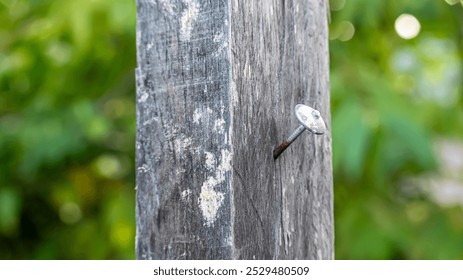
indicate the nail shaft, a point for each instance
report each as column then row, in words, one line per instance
column 282, row 147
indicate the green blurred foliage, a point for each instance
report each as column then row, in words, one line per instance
column 391, row 98
column 67, row 129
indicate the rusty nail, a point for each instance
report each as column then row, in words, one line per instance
column 310, row 119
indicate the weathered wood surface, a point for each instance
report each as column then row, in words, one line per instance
column 217, row 83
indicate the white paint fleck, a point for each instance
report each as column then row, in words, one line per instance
column 217, row 38
column 179, row 171
column 210, row 160
column 221, row 48
column 143, row 169
column 198, row 114
column 168, row 7
column 247, row 70
column 144, row 96
column 149, row 46
column 187, row 19
column 210, row 199
column 150, row 121
column 234, row 97
column 225, row 164
column 185, row 194
column 223, row 44
column 182, row 142
column 219, row 126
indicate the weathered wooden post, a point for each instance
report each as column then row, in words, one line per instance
column 217, row 83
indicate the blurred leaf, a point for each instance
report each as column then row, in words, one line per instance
column 10, row 209
column 350, row 139
column 411, row 140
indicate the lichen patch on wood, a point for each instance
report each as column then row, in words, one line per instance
column 210, row 199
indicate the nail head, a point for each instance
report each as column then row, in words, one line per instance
column 310, row 119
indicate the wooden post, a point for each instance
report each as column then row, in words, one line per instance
column 217, row 83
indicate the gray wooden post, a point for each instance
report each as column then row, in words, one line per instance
column 217, row 83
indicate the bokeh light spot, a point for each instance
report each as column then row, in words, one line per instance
column 116, row 108
column 109, row 166
column 121, row 235
column 70, row 213
column 452, row 2
column 407, row 26
column 337, row 5
column 417, row 212
column 347, row 31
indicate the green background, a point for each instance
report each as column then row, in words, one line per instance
column 67, row 128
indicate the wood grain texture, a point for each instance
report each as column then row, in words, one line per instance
column 217, row 83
